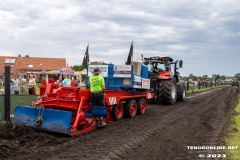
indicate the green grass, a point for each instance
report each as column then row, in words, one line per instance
column 233, row 138
column 204, row 89
column 37, row 90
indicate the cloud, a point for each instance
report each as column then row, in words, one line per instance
column 205, row 34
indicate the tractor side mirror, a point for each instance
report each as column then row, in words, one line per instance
column 180, row 63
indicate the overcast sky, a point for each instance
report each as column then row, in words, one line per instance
column 204, row 34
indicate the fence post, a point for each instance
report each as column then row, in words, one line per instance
column 7, row 94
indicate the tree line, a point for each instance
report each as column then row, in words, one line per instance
column 215, row 77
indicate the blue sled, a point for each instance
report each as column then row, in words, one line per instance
column 53, row 120
column 97, row 111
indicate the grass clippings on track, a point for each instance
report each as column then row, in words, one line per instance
column 233, row 138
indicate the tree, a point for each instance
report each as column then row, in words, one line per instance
column 237, row 75
column 195, row 78
column 78, row 68
column 223, row 77
column 184, row 78
column 217, row 77
column 190, row 76
column 204, row 77
column 214, row 76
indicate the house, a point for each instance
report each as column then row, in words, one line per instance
column 23, row 66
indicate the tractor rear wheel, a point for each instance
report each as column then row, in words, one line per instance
column 141, row 106
column 130, row 109
column 168, row 91
column 118, row 111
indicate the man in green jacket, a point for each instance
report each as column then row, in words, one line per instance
column 97, row 88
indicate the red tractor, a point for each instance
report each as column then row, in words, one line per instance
column 165, row 82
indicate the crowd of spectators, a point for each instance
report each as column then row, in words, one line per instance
column 28, row 87
column 22, row 87
column 203, row 84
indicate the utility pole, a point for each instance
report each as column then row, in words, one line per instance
column 7, row 94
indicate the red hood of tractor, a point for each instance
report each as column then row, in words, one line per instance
column 165, row 75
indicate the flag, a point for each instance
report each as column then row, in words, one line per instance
column 86, row 58
column 130, row 55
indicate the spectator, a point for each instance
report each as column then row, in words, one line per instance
column 155, row 68
column 11, row 87
column 77, row 82
column 59, row 81
column 51, row 80
column 195, row 85
column 199, row 84
column 1, row 83
column 31, row 85
column 206, row 83
column 66, row 82
column 23, row 89
column 1, row 91
column 15, row 86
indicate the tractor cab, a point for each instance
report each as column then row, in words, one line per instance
column 163, row 67
column 158, row 66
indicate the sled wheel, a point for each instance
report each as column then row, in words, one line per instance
column 131, row 108
column 141, row 106
column 118, row 112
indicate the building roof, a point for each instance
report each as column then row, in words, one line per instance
column 31, row 63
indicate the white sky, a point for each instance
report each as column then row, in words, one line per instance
column 204, row 34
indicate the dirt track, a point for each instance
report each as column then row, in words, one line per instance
column 163, row 132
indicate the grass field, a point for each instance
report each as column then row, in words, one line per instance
column 233, row 138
